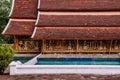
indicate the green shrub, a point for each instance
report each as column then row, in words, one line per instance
column 6, row 56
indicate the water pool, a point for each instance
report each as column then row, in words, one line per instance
column 22, row 59
column 78, row 61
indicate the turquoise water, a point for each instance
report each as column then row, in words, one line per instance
column 22, row 59
column 71, row 61
column 78, row 61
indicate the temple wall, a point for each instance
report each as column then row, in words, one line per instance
column 81, row 46
column 23, row 44
column 26, row 45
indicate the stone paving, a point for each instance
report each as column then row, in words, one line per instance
column 71, row 55
column 26, row 55
column 80, row 55
column 61, row 77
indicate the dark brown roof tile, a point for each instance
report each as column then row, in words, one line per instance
column 83, row 19
column 24, row 9
column 88, row 33
column 79, row 5
column 15, row 27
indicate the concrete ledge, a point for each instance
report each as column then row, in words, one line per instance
column 18, row 69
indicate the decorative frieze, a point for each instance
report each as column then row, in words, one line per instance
column 81, row 46
column 52, row 46
column 60, row 45
column 27, row 45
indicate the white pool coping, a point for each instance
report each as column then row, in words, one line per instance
column 21, row 69
column 17, row 68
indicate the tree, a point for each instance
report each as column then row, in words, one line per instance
column 6, row 56
column 5, row 6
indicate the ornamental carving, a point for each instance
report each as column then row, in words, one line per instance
column 60, row 45
column 68, row 46
column 82, row 46
column 28, row 45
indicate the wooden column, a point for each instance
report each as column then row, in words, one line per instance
column 110, row 47
column 77, row 45
column 16, row 44
column 43, row 46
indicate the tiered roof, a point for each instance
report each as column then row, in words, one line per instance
column 22, row 18
column 79, row 5
column 88, row 33
column 78, row 19
column 65, row 19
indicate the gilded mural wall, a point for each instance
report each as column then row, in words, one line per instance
column 28, row 45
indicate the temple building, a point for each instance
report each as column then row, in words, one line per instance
column 67, row 26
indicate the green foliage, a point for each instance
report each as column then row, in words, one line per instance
column 5, row 6
column 6, row 56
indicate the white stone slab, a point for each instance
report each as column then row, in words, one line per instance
column 17, row 69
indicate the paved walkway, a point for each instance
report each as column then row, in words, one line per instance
column 80, row 55
column 61, row 77
column 71, row 55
